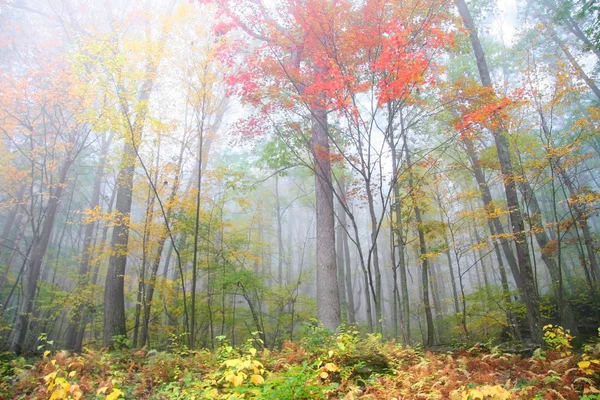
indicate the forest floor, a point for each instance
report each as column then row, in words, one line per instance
column 346, row 366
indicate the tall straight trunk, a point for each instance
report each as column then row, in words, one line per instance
column 339, row 252
column 405, row 305
column 278, row 218
column 144, row 261
column 436, row 291
column 374, row 257
column 141, row 292
column 396, row 316
column 449, row 258
column 90, row 227
column 328, row 299
column 347, row 260
column 200, row 119
column 37, row 257
column 452, row 277
column 114, row 287
column 422, row 253
column 480, row 257
column 525, row 273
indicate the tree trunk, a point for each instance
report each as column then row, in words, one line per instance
column 339, row 251
column 347, row 260
column 405, row 304
column 114, row 295
column 328, row 300
column 374, row 257
column 422, row 253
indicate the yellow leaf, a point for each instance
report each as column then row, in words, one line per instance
column 331, row 367
column 59, row 394
column 116, row 393
column 330, row 353
column 101, row 390
column 475, row 394
column 237, row 380
column 257, row 379
column 583, row 364
column 252, row 351
column 324, row 375
column 72, row 374
column 50, row 376
column 232, row 363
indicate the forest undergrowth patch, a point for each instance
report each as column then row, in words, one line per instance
column 348, row 365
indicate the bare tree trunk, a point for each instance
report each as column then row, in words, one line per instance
column 422, row 253
column 347, row 260
column 140, row 299
column 278, row 217
column 339, row 239
column 374, row 257
column 328, row 299
column 405, row 304
column 449, row 260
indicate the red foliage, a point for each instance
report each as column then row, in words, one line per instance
column 325, row 53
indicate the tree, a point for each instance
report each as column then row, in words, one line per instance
column 30, row 123
column 525, row 274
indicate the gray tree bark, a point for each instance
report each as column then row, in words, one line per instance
column 328, row 300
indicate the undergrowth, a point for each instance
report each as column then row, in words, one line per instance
column 348, row 365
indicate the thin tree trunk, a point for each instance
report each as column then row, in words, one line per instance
column 339, row 239
column 347, row 260
column 400, row 242
column 278, row 217
column 422, row 253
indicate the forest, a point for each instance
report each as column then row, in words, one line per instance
column 300, row 199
